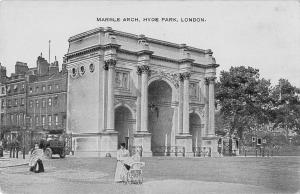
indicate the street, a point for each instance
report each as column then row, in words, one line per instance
column 161, row 175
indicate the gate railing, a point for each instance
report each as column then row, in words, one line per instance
column 168, row 151
column 202, row 151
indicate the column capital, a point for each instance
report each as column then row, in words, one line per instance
column 109, row 64
column 184, row 76
column 210, row 80
column 143, row 69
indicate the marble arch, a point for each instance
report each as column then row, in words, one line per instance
column 124, row 66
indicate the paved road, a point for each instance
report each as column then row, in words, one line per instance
column 161, row 175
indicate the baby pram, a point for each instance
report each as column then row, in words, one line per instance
column 135, row 173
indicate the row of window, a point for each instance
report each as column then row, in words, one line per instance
column 13, row 88
column 15, row 119
column 21, row 102
column 45, row 120
column 16, row 88
column 13, row 102
column 43, row 88
column 44, row 102
column 18, row 119
column 82, row 70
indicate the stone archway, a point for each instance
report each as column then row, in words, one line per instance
column 195, row 129
column 123, row 125
column 160, row 116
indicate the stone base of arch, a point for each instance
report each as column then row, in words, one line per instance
column 210, row 145
column 143, row 139
column 95, row 144
column 185, row 140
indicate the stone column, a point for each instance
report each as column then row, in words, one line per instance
column 186, row 99
column 211, row 105
column 138, row 107
column 145, row 70
column 180, row 105
column 111, row 64
column 206, row 108
column 104, row 96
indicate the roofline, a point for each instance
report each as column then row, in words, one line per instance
column 130, row 35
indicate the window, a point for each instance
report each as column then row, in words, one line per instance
column 49, row 120
column 56, row 119
column 2, row 118
column 55, row 100
column 21, row 118
column 57, row 86
column 30, row 90
column 22, row 101
column 37, row 121
column 44, row 103
column 82, row 70
column 92, row 68
column 258, row 141
column 15, row 88
column 37, row 89
column 17, row 119
column 3, row 90
column 49, row 87
column 16, row 102
column 43, row 120
column 49, row 102
column 30, row 121
column 30, row 103
column 36, row 103
column 8, row 103
column 74, row 72
column 10, row 118
column 23, row 86
column 2, row 103
column 43, row 88
column 8, row 89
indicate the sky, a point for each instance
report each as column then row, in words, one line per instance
column 261, row 34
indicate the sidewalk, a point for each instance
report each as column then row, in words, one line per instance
column 6, row 161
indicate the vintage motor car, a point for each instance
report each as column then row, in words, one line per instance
column 55, row 144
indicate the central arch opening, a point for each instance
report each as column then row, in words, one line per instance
column 160, row 116
column 195, row 130
column 123, row 125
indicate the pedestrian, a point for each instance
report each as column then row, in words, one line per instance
column 122, row 168
column 1, row 149
column 35, row 161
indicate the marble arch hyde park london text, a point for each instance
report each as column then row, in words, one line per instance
column 139, row 90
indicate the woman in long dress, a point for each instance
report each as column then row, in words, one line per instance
column 35, row 161
column 121, row 170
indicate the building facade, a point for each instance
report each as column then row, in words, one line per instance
column 46, row 98
column 33, row 101
column 13, row 106
column 145, row 92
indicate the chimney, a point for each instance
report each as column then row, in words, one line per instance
column 21, row 68
column 42, row 65
column 53, row 69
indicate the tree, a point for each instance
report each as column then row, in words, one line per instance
column 286, row 111
column 244, row 98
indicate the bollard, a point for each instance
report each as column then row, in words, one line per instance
column 10, row 152
column 245, row 153
column 256, row 152
column 263, row 152
column 13, row 152
column 17, row 152
column 24, row 152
